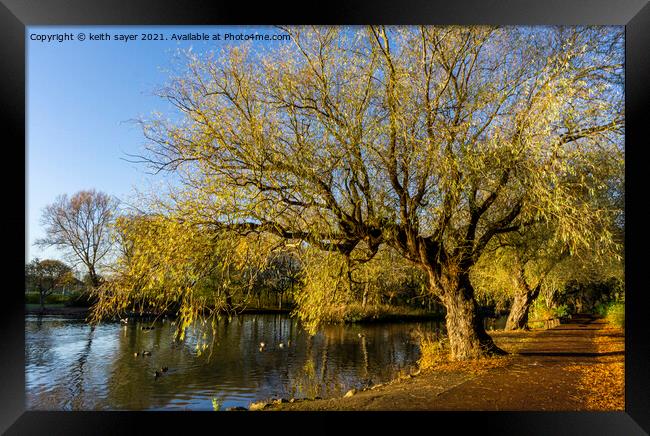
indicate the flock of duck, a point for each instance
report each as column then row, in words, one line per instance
column 144, row 353
column 288, row 344
column 280, row 345
column 157, row 373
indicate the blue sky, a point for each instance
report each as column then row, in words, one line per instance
column 80, row 98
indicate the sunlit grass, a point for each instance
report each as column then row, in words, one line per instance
column 614, row 313
column 356, row 312
column 434, row 349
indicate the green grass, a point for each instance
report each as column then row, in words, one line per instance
column 33, row 298
column 615, row 314
column 70, row 300
column 355, row 312
column 30, row 306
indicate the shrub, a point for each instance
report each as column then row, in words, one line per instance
column 540, row 310
column 560, row 311
column 615, row 314
column 31, row 298
column 434, row 349
column 83, row 299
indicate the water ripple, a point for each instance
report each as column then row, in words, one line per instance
column 71, row 366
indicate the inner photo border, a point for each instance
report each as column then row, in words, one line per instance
column 17, row 15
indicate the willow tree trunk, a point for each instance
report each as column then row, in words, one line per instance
column 524, row 298
column 467, row 336
column 518, row 316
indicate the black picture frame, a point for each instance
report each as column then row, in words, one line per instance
column 15, row 15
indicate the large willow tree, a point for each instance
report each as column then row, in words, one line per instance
column 432, row 140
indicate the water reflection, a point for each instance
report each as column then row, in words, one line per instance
column 73, row 366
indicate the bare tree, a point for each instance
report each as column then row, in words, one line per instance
column 80, row 226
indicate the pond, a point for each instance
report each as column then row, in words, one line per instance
column 71, row 366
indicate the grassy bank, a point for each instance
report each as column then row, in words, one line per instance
column 33, row 298
column 354, row 313
column 613, row 312
column 264, row 310
column 69, row 300
column 58, row 310
column 357, row 313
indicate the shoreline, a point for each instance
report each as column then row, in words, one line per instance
column 577, row 366
column 73, row 312
column 77, row 312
